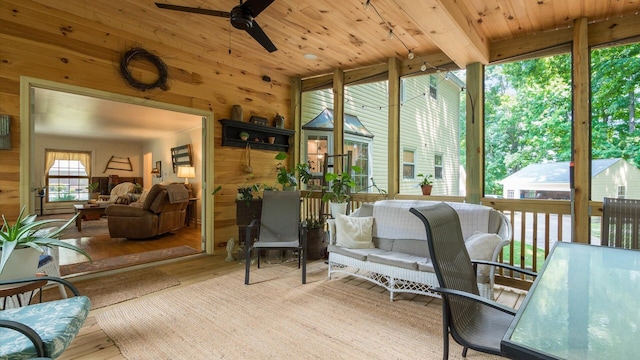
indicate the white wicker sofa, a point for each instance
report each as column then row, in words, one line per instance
column 398, row 258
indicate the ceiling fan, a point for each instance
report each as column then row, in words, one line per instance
column 242, row 17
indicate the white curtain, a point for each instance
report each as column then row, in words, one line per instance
column 52, row 155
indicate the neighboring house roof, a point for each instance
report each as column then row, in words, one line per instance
column 324, row 122
column 557, row 172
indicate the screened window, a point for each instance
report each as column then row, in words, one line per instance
column 437, row 169
column 67, row 175
column 359, row 157
column 622, row 190
column 408, row 164
column 433, row 87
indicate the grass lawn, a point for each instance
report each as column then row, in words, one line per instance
column 528, row 250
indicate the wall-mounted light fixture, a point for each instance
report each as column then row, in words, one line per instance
column 157, row 171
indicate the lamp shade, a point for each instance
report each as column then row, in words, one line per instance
column 186, row 172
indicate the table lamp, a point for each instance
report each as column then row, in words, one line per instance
column 186, row 172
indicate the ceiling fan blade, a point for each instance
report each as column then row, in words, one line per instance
column 255, row 7
column 256, row 32
column 224, row 14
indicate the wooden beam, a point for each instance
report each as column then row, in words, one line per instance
column 614, row 30
column 475, row 133
column 450, row 28
column 296, row 114
column 393, row 160
column 338, row 112
column 581, row 132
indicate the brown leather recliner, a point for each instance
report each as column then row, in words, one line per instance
column 163, row 210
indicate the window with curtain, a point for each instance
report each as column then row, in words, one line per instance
column 67, row 175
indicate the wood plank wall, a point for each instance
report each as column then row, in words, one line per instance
column 71, row 48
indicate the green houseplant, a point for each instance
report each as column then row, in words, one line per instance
column 426, row 184
column 24, row 234
column 289, row 178
column 339, row 190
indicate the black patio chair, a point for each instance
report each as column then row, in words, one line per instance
column 279, row 228
column 473, row 321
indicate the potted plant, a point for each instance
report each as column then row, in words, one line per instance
column 23, row 242
column 426, row 184
column 289, row 179
column 315, row 237
column 341, row 185
column 244, row 135
column 93, row 194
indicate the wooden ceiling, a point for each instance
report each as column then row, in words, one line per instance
column 343, row 34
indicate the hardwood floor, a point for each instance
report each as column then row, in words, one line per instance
column 92, row 343
column 103, row 246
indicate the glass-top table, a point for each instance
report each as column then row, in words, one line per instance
column 584, row 304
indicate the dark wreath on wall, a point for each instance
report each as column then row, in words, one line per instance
column 142, row 54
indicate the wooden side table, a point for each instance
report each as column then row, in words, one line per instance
column 18, row 292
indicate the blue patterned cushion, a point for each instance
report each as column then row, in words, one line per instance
column 57, row 323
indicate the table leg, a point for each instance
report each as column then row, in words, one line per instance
column 79, row 221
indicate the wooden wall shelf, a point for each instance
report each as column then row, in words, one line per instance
column 231, row 130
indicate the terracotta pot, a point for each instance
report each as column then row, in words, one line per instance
column 426, row 189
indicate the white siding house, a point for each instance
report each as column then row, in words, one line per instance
column 429, row 127
column 614, row 178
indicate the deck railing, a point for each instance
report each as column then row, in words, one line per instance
column 536, row 224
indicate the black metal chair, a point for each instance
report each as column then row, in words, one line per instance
column 473, row 321
column 279, row 228
column 621, row 223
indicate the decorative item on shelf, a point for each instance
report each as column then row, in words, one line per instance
column 259, row 120
column 244, row 135
column 426, row 184
column 271, row 139
column 236, row 113
column 279, row 121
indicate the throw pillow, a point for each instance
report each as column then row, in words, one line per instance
column 481, row 246
column 354, row 232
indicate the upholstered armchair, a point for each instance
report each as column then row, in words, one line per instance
column 163, row 210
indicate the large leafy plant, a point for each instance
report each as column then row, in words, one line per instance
column 25, row 233
column 288, row 178
column 341, row 184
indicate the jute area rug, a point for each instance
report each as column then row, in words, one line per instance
column 276, row 317
column 118, row 287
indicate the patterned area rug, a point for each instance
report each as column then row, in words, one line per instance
column 127, row 260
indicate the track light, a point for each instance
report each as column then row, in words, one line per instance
column 411, row 55
column 423, row 67
column 390, row 34
column 367, row 4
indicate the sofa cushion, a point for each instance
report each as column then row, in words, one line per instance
column 399, row 259
column 366, row 209
column 411, row 246
column 354, row 232
column 358, row 254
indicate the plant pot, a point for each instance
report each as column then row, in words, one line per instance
column 338, row 208
column 315, row 244
column 22, row 263
column 426, row 189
